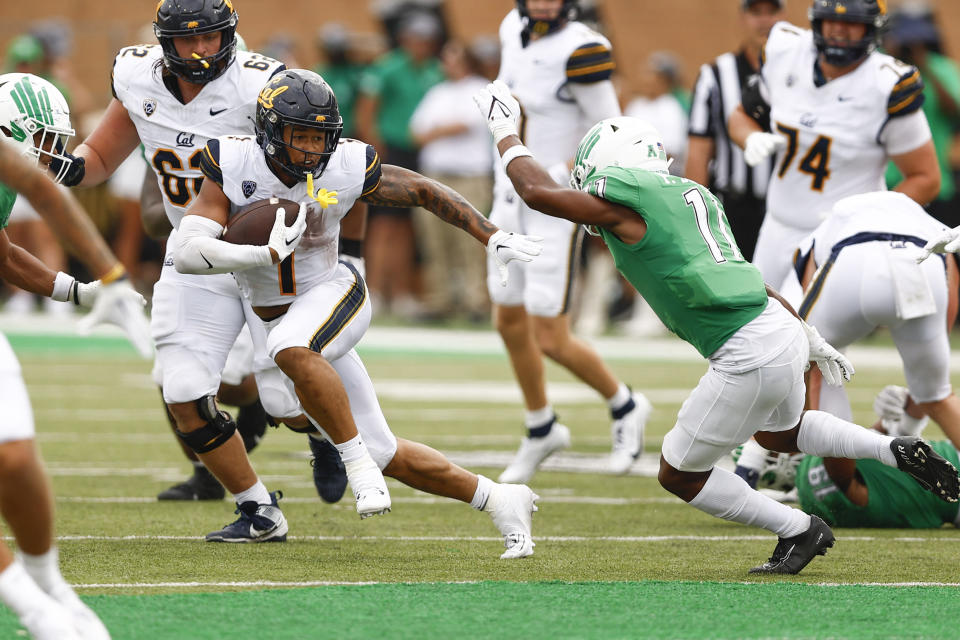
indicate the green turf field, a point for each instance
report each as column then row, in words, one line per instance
column 615, row 557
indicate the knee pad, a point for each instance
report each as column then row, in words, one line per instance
column 218, row 428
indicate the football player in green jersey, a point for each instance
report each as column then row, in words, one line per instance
column 669, row 237
column 32, row 585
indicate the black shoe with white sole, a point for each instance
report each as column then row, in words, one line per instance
column 931, row 470
column 794, row 553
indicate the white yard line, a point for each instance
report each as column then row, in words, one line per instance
column 337, row 583
column 627, row 539
column 397, row 499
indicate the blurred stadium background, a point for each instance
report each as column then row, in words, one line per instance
column 696, row 30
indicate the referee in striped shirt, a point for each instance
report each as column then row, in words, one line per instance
column 712, row 158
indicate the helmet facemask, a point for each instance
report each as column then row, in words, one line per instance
column 568, row 11
column 34, row 116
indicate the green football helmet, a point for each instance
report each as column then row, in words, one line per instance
column 625, row 142
column 34, row 116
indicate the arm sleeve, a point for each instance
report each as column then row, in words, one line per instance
column 906, row 133
column 371, row 177
column 199, row 251
column 598, row 100
column 702, row 122
column 210, row 162
column 591, row 62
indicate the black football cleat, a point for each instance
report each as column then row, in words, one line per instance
column 931, row 470
column 329, row 474
column 792, row 554
column 202, row 485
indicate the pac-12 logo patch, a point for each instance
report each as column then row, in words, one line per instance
column 149, row 106
column 248, row 187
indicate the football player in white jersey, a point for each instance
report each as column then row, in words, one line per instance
column 859, row 272
column 172, row 98
column 313, row 308
column 559, row 70
column 837, row 111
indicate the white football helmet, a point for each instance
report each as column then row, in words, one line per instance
column 779, row 470
column 34, row 116
column 623, row 141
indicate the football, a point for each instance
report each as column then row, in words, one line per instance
column 253, row 223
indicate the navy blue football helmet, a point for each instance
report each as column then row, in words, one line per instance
column 872, row 13
column 303, row 99
column 177, row 18
column 568, row 11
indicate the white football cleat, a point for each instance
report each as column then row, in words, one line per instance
column 627, row 434
column 511, row 506
column 84, row 620
column 51, row 622
column 369, row 487
column 533, row 451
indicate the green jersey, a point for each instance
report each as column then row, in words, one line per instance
column 687, row 266
column 7, row 197
column 894, row 498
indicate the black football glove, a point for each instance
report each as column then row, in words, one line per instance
column 75, row 171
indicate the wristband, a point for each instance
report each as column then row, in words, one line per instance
column 514, row 152
column 62, row 285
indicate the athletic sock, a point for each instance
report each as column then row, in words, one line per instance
column 19, row 592
column 727, row 496
column 44, row 569
column 484, row 486
column 352, row 450
column 824, row 435
column 750, row 462
column 539, row 421
column 257, row 493
column 618, row 401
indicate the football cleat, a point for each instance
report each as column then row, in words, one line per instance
column 202, row 485
column 369, row 487
column 329, row 474
column 927, row 467
column 84, row 620
column 532, row 452
column 51, row 622
column 511, row 506
column 627, row 433
column 792, row 554
column 257, row 523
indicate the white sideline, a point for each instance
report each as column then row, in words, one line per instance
column 399, row 499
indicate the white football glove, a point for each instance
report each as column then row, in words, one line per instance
column 834, row 366
column 119, row 304
column 890, row 406
column 500, row 108
column 947, row 242
column 759, row 145
column 283, row 239
column 504, row 247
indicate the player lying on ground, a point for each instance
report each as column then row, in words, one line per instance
column 35, row 122
column 670, row 239
column 314, row 308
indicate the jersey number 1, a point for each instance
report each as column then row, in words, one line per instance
column 694, row 198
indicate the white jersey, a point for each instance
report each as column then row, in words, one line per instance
column 538, row 75
column 883, row 214
column 840, row 133
column 237, row 163
column 174, row 134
